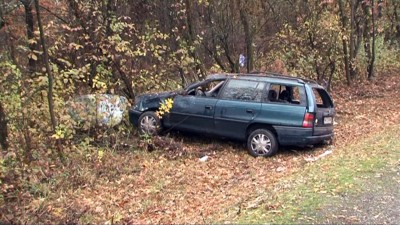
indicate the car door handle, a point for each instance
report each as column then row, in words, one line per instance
column 249, row 111
column 208, row 107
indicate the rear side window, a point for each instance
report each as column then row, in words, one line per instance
column 286, row 94
column 243, row 90
column 322, row 98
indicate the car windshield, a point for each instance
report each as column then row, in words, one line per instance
column 206, row 82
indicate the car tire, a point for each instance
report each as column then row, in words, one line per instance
column 262, row 142
column 149, row 123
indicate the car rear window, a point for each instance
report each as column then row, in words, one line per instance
column 243, row 90
column 322, row 98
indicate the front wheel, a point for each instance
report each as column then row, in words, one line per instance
column 262, row 142
column 149, row 123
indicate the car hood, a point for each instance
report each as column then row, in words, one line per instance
column 146, row 102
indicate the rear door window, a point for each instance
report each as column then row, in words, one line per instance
column 286, row 94
column 243, row 90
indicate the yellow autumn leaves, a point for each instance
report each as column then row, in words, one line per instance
column 165, row 107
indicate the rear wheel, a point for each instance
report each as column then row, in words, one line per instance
column 149, row 123
column 262, row 142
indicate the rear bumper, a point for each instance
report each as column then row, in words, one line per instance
column 134, row 117
column 318, row 139
column 301, row 136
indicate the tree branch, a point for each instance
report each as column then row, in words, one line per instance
column 53, row 14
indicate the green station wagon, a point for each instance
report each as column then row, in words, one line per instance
column 265, row 110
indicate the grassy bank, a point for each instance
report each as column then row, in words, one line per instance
column 298, row 198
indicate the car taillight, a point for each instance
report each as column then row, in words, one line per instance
column 308, row 120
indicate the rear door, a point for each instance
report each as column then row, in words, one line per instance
column 286, row 113
column 239, row 104
column 325, row 112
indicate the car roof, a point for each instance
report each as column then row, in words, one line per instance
column 269, row 77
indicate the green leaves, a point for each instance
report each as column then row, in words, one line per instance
column 312, row 46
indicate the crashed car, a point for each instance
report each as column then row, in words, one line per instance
column 264, row 110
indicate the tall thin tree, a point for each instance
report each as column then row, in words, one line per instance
column 373, row 50
column 50, row 78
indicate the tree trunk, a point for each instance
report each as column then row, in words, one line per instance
column 25, row 86
column 248, row 35
column 352, row 40
column 344, row 42
column 367, row 34
column 191, row 25
column 213, row 52
column 369, row 47
column 110, row 12
column 74, row 6
column 332, row 67
column 3, row 128
column 2, row 22
column 232, row 62
column 317, row 67
column 395, row 21
column 50, row 78
column 183, row 78
column 29, row 33
column 126, row 79
column 373, row 50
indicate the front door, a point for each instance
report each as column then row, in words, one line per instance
column 193, row 113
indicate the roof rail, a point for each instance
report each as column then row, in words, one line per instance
column 291, row 77
column 278, row 75
column 266, row 74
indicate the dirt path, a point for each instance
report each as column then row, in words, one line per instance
column 367, row 110
column 379, row 203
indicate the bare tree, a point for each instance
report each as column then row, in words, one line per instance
column 248, row 35
column 50, row 78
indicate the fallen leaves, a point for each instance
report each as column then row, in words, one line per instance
column 190, row 180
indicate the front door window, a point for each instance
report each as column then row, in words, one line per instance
column 243, row 90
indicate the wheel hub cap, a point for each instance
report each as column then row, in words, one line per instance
column 148, row 124
column 261, row 144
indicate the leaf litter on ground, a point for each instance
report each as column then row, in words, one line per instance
column 171, row 185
